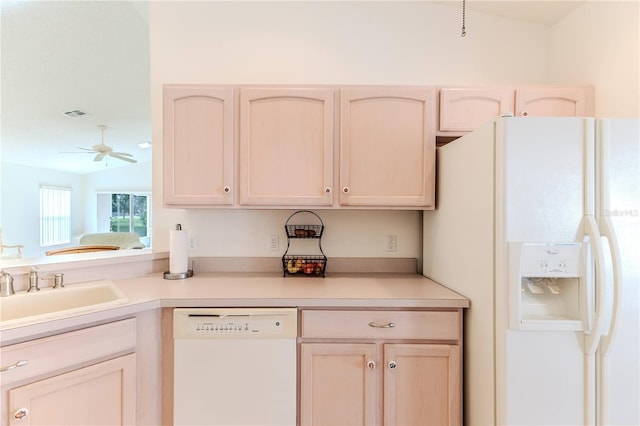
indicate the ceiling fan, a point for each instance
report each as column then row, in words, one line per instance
column 101, row 150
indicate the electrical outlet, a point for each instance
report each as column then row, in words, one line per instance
column 391, row 242
column 274, row 242
column 193, row 243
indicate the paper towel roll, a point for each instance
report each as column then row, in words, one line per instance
column 178, row 251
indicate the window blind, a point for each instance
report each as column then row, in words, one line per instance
column 55, row 216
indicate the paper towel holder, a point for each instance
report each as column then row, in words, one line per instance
column 179, row 275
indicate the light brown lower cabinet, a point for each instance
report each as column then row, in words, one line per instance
column 421, row 384
column 101, row 394
column 84, row 377
column 377, row 380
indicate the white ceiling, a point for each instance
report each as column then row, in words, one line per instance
column 74, row 55
column 545, row 12
column 93, row 56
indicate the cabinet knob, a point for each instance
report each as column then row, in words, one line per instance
column 20, row 413
column 525, row 113
column 345, row 189
column 226, row 189
column 327, row 190
column 392, row 364
column 371, row 365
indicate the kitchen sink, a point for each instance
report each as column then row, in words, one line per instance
column 28, row 308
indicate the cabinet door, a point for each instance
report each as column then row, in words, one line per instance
column 286, row 146
column 198, row 141
column 422, row 385
column 465, row 109
column 338, row 384
column 101, row 394
column 554, row 102
column 387, row 147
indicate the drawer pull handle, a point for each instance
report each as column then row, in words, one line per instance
column 392, row 365
column 16, row 365
column 20, row 413
column 371, row 365
column 387, row 325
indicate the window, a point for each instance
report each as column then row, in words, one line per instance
column 55, row 216
column 124, row 212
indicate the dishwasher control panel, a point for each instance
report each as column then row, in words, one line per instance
column 234, row 323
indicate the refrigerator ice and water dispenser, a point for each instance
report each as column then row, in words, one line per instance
column 547, row 286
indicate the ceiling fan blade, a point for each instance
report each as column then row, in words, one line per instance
column 85, row 149
column 120, row 157
column 98, row 157
column 126, row 154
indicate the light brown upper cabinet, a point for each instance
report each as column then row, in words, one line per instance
column 286, row 146
column 464, row 109
column 554, row 102
column 351, row 147
column 198, row 145
column 387, row 147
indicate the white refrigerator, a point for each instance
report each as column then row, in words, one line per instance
column 537, row 222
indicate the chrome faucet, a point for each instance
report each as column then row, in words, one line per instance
column 33, row 281
column 57, row 279
column 6, row 284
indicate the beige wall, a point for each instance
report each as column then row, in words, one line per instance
column 599, row 43
column 330, row 43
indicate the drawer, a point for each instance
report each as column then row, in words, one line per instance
column 430, row 325
column 66, row 350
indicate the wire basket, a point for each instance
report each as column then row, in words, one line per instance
column 304, row 264
column 304, row 231
column 313, row 265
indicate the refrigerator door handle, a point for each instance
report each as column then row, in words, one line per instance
column 592, row 339
column 608, row 335
column 602, row 310
column 607, row 230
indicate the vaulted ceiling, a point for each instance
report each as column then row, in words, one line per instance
column 64, row 56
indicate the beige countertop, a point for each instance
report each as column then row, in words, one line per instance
column 380, row 290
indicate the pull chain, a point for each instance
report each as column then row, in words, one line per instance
column 464, row 19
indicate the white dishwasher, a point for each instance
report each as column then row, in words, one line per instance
column 234, row 366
